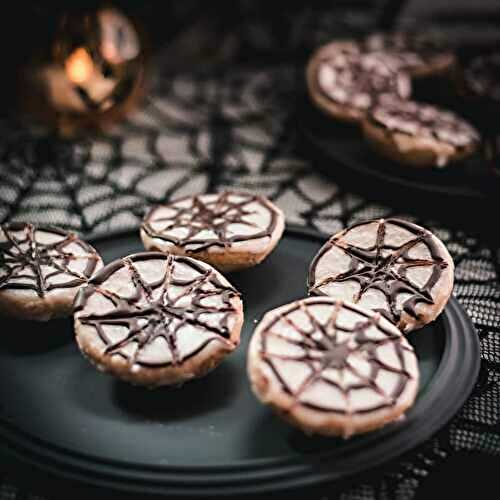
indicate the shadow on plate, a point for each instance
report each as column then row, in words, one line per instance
column 256, row 284
column 276, row 438
column 34, row 337
column 274, row 282
column 312, row 445
column 197, row 397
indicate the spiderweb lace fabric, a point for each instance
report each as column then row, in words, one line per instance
column 236, row 128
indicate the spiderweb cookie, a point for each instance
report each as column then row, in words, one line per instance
column 419, row 134
column 229, row 230
column 391, row 266
column 421, row 54
column 41, row 270
column 331, row 367
column 154, row 319
column 345, row 84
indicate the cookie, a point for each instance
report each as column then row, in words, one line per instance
column 345, row 84
column 229, row 230
column 391, row 266
column 419, row 134
column 154, row 319
column 333, row 368
column 481, row 77
column 421, row 54
column 41, row 270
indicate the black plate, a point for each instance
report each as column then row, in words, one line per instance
column 340, row 152
column 210, row 437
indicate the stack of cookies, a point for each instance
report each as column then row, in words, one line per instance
column 369, row 82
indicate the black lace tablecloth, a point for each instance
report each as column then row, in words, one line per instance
column 236, row 127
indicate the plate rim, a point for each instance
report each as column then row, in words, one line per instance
column 269, row 474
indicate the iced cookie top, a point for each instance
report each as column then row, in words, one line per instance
column 43, row 259
column 156, row 310
column 390, row 266
column 359, row 80
column 409, row 51
column 209, row 221
column 332, row 356
column 424, row 121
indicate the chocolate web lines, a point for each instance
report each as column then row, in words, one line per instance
column 216, row 215
column 384, row 267
column 43, row 263
column 323, row 352
column 160, row 309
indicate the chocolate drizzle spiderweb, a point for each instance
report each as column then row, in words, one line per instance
column 409, row 50
column 417, row 119
column 153, row 311
column 322, row 350
column 24, row 260
column 360, row 80
column 384, row 267
column 217, row 214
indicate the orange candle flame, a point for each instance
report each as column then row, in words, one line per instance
column 79, row 66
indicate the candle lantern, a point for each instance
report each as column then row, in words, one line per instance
column 92, row 73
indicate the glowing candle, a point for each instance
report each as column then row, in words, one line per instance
column 79, row 66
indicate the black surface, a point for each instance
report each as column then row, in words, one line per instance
column 211, row 436
column 455, row 474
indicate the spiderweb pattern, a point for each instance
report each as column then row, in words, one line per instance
column 33, row 265
column 328, row 346
column 214, row 214
column 384, row 267
column 429, row 121
column 153, row 311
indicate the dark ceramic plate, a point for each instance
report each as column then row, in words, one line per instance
column 340, row 152
column 210, row 437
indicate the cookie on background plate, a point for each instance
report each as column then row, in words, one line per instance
column 481, row 78
column 41, row 269
column 422, row 54
column 332, row 368
column 390, row 266
column 419, row 134
column 154, row 319
column 229, row 230
column 345, row 84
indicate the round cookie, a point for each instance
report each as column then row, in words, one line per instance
column 391, row 266
column 419, row 134
column 332, row 368
column 421, row 54
column 481, row 77
column 41, row 270
column 154, row 319
column 345, row 84
column 229, row 230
